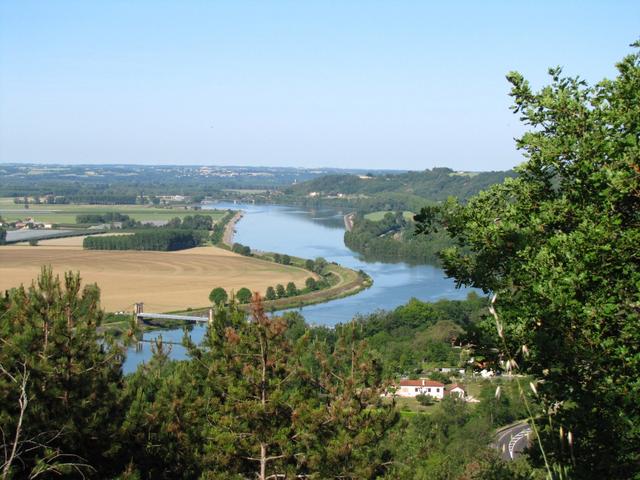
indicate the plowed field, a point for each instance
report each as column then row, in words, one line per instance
column 164, row 281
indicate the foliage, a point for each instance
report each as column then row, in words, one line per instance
column 388, row 191
column 425, row 400
column 246, row 405
column 192, row 222
column 243, row 295
column 270, row 294
column 393, row 239
column 217, row 231
column 449, row 443
column 241, row 249
column 107, row 217
column 558, row 245
column 280, row 291
column 3, row 235
column 292, row 290
column 218, row 296
column 157, row 239
column 59, row 380
column 311, row 283
column 420, row 333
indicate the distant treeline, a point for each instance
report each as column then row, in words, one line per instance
column 81, row 198
column 407, row 191
column 192, row 222
column 159, row 239
column 109, row 217
column 393, row 239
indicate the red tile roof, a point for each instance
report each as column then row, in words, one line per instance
column 420, row 383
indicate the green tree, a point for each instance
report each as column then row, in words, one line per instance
column 218, row 296
column 292, row 291
column 558, row 245
column 280, row 291
column 311, row 283
column 309, row 265
column 59, row 380
column 267, row 415
column 3, row 236
column 319, row 265
column 277, row 258
column 243, row 295
column 271, row 293
column 286, row 260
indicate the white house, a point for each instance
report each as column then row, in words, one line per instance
column 456, row 390
column 423, row 386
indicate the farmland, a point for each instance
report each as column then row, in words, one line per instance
column 66, row 214
column 164, row 281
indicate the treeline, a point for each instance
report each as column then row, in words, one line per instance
column 217, row 233
column 158, row 239
column 241, row 249
column 192, row 222
column 91, row 198
column 260, row 397
column 419, row 334
column 108, row 217
column 393, row 239
column 434, row 185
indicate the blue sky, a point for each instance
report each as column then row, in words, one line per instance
column 394, row 84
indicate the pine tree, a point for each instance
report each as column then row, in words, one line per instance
column 59, row 380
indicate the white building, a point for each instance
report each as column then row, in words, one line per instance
column 456, row 390
column 423, row 386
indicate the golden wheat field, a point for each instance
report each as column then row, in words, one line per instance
column 164, row 281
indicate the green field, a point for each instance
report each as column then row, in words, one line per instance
column 379, row 215
column 67, row 213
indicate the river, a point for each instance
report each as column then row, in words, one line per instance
column 311, row 233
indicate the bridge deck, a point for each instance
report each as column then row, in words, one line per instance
column 168, row 316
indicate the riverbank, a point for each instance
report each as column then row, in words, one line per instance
column 349, row 283
column 348, row 221
column 230, row 229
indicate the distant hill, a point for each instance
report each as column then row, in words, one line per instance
column 432, row 185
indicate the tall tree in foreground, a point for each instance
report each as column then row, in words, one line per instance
column 59, row 382
column 268, row 414
column 559, row 247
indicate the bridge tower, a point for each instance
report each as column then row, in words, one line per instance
column 210, row 316
column 138, row 308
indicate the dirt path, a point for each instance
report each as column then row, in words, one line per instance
column 230, row 229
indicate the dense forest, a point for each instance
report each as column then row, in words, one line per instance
column 160, row 239
column 177, row 234
column 394, row 239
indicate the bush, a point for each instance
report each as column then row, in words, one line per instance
column 425, row 400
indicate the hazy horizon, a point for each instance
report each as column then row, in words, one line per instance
column 360, row 85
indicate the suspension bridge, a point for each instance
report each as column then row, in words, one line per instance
column 142, row 316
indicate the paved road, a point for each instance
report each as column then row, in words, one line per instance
column 513, row 440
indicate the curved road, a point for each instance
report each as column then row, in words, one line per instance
column 511, row 441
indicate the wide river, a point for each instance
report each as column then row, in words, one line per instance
column 312, row 233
